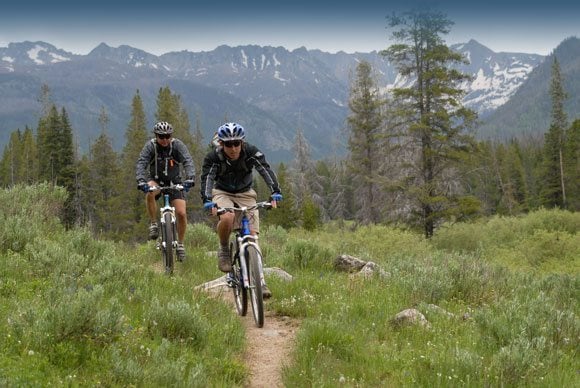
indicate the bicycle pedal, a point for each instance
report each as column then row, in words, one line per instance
column 230, row 280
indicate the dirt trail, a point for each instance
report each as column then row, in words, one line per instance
column 269, row 347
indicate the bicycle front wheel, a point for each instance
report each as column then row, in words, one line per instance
column 255, row 271
column 240, row 293
column 167, row 243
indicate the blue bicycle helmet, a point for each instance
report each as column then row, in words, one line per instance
column 231, row 131
column 163, row 128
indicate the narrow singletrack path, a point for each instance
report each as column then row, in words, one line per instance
column 268, row 348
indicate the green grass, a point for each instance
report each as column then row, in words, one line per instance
column 82, row 312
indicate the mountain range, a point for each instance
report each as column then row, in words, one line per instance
column 270, row 90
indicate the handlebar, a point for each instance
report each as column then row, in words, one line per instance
column 264, row 204
column 178, row 187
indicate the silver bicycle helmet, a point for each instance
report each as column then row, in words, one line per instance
column 163, row 128
column 231, row 131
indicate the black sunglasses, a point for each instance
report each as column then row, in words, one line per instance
column 166, row 136
column 233, row 143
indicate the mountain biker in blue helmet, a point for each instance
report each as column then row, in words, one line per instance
column 226, row 180
column 162, row 162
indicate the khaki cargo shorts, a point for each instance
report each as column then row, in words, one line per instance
column 247, row 198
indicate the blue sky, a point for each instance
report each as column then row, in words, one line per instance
column 519, row 26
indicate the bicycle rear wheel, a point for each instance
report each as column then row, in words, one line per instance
column 167, row 248
column 240, row 293
column 255, row 270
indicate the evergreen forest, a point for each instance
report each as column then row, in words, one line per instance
column 480, row 235
column 413, row 157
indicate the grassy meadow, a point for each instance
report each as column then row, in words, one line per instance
column 501, row 295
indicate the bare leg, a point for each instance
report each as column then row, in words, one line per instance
column 151, row 203
column 181, row 216
column 224, row 228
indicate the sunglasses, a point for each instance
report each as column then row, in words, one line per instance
column 165, row 137
column 233, row 143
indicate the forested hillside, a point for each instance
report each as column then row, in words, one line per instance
column 409, row 161
column 526, row 113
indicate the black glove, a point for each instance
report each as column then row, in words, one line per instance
column 143, row 186
column 188, row 184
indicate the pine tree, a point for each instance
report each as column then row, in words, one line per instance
column 302, row 170
column 49, row 145
column 341, row 197
column 554, row 186
column 305, row 183
column 66, row 166
column 364, row 145
column 30, row 157
column 136, row 135
column 170, row 109
column 105, row 187
column 19, row 160
column 532, row 159
column 437, row 123
column 11, row 163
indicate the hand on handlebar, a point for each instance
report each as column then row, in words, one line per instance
column 210, row 207
column 276, row 197
column 188, row 184
column 143, row 186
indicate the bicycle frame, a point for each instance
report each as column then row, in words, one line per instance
column 247, row 273
column 245, row 239
column 167, row 242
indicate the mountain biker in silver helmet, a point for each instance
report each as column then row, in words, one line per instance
column 162, row 162
column 226, row 180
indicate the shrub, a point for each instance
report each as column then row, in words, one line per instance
column 176, row 320
column 302, row 254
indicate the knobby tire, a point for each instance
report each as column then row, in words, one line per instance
column 240, row 293
column 254, row 263
column 168, row 238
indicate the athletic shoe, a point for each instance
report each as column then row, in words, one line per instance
column 153, row 231
column 224, row 259
column 180, row 252
column 266, row 293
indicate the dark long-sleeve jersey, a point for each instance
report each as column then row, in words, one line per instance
column 235, row 176
column 162, row 164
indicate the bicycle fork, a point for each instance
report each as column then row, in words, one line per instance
column 243, row 262
column 162, row 243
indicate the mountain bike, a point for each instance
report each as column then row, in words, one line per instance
column 247, row 275
column 167, row 241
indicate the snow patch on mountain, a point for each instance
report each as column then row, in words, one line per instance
column 33, row 54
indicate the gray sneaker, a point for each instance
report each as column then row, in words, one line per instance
column 224, row 259
column 180, row 252
column 153, row 231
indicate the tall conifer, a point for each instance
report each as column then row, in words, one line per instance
column 136, row 135
column 364, row 144
column 554, row 186
column 431, row 107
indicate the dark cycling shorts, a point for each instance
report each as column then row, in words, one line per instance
column 173, row 194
